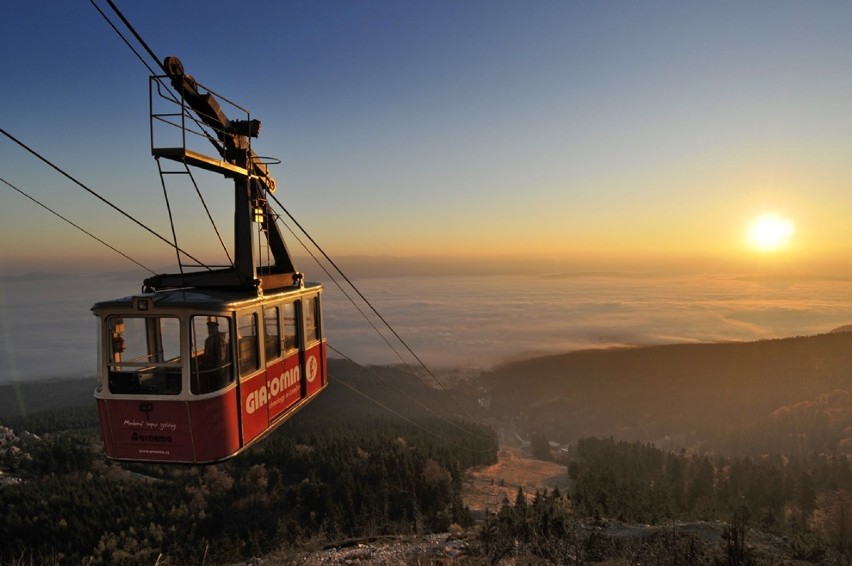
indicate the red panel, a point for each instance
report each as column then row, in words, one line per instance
column 146, row 430
column 286, row 387
column 208, row 430
column 315, row 375
column 215, row 426
column 254, row 402
column 106, row 429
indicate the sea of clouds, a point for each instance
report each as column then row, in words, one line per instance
column 481, row 321
column 47, row 329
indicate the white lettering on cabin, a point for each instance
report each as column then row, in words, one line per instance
column 256, row 400
column 282, row 384
column 152, row 425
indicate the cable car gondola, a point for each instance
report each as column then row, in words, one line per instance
column 203, row 363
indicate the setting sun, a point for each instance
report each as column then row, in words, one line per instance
column 770, row 233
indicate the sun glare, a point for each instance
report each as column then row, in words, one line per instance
column 770, row 233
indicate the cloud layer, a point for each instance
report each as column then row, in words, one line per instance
column 481, row 321
column 47, row 329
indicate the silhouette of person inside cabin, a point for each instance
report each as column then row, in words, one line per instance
column 215, row 357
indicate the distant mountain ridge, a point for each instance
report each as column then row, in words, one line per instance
column 790, row 395
column 681, row 395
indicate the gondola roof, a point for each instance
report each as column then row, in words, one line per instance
column 196, row 298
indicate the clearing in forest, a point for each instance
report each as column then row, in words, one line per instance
column 486, row 486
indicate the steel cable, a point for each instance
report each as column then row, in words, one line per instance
column 93, row 193
column 47, row 208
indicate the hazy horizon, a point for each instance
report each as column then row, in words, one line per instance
column 465, row 321
column 532, row 264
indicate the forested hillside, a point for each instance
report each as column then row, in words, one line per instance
column 745, row 398
column 633, row 503
column 382, row 452
column 337, row 477
column 345, row 466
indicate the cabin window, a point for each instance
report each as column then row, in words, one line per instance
column 290, row 337
column 247, row 332
column 211, row 354
column 271, row 333
column 144, row 355
column 311, row 307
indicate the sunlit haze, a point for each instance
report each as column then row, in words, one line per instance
column 551, row 139
column 460, row 320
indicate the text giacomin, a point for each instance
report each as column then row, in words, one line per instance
column 257, row 399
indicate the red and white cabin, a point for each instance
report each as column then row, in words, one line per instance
column 196, row 376
column 205, row 362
